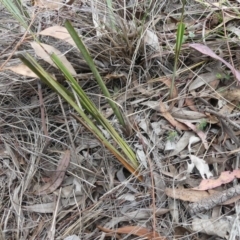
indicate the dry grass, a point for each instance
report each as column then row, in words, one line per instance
column 96, row 191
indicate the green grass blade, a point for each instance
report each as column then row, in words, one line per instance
column 41, row 73
column 92, row 109
column 78, row 41
column 180, row 36
column 111, row 14
column 63, row 92
column 179, row 41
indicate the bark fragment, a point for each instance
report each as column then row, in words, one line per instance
column 214, row 200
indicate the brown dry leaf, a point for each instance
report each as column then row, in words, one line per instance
column 57, row 177
column 214, row 84
column 226, row 109
column 59, row 33
column 187, row 115
column 201, row 134
column 186, row 194
column 207, row 51
column 43, row 51
column 224, row 178
column 52, row 4
column 22, row 70
column 170, row 118
column 180, row 232
column 167, row 82
column 231, row 95
column 190, row 103
column 135, row 230
column 211, row 118
column 141, row 89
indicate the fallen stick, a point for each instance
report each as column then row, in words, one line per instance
column 214, row 200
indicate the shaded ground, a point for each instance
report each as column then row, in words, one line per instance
column 193, row 144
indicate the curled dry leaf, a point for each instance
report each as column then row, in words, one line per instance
column 170, row 145
column 201, row 165
column 182, row 143
column 192, row 140
column 142, row 157
column 151, row 39
column 201, row 134
column 135, row 230
column 207, row 51
column 57, row 176
column 122, row 178
column 224, row 178
column 43, row 51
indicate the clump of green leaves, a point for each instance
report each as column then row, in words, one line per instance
column 223, row 76
column 202, row 125
column 172, row 136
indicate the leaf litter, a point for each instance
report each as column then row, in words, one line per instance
column 188, row 167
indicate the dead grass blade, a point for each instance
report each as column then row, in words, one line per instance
column 57, row 176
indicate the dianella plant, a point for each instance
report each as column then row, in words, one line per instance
column 86, row 111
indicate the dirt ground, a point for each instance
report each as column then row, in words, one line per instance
column 58, row 181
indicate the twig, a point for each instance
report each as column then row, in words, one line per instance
column 214, row 200
column 234, row 115
column 224, row 117
column 220, row 117
column 153, row 198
